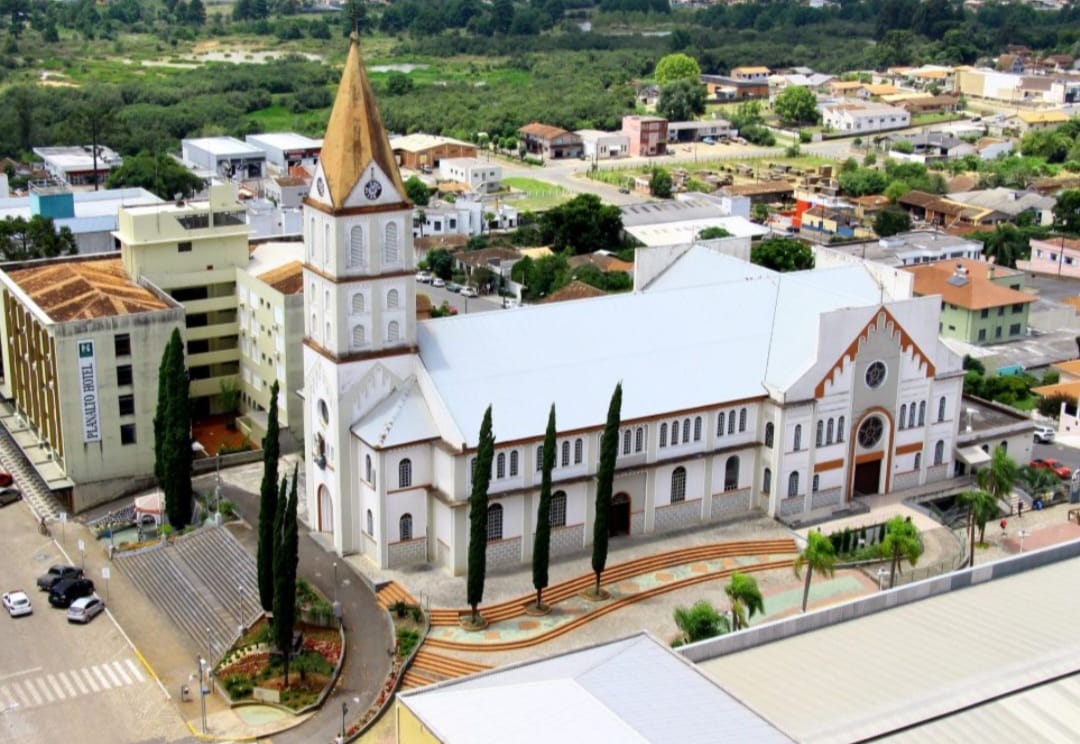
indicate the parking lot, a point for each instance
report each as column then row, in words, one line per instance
column 65, row 682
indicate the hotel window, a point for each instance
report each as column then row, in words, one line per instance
column 494, row 522
column 766, row 481
column 500, row 466
column 122, row 344
column 639, row 439
column 941, row 408
column 674, row 432
column 742, row 419
column 392, row 332
column 124, row 375
column 565, row 454
column 697, row 429
column 539, row 458
column 686, row 431
column 127, row 434
column 903, row 416
column 922, row 413
column 663, row 435
column 370, row 522
column 731, row 473
column 405, row 527
column 798, row 437
column 769, row 434
column 720, row 425
column 127, row 405
column 820, row 433
column 793, row 484
column 829, row 433
column 731, row 423
column 392, row 299
column 816, row 483
column 579, row 448
column 939, row 453
column 626, row 442
column 184, row 246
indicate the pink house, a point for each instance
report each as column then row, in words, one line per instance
column 648, row 135
column 1056, row 256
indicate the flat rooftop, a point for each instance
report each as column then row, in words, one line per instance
column 224, row 146
column 84, row 290
column 418, row 142
column 284, row 141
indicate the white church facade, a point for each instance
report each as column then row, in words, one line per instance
column 744, row 390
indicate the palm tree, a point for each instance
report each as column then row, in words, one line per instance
column 746, row 600
column 818, row 555
column 1038, row 481
column 999, row 476
column 901, row 541
column 700, row 622
column 981, row 507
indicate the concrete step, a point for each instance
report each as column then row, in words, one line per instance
column 27, row 479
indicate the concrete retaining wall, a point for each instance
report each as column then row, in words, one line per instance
column 680, row 514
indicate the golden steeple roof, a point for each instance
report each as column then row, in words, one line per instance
column 355, row 136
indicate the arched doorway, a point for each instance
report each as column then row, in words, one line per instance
column 870, row 447
column 326, row 510
column 619, row 524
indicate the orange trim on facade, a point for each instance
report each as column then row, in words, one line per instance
column 821, row 467
column 907, row 449
column 307, row 201
column 869, row 457
column 360, row 356
column 882, row 318
column 354, row 279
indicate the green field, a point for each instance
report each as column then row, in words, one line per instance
column 539, row 195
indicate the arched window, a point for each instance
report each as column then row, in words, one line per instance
column 742, row 419
column 357, row 249
column 829, row 432
column 820, row 433
column 405, row 527
column 513, row 463
column 358, row 335
column 326, row 299
column 404, row 473
column 793, row 484
column 500, row 465
column 539, row 458
column 639, row 439
column 939, row 452
column 731, row 473
column 329, row 335
column 565, row 454
column 697, row 429
column 918, row 460
column 579, row 450
column 369, row 473
column 911, row 417
column 941, row 408
column 766, row 481
column 840, row 429
column 314, row 325
column 1004, row 446
column 663, row 435
column 903, row 416
column 311, row 238
column 720, row 424
column 390, row 245
column 392, row 331
column 358, row 303
column 392, row 299
column 674, row 432
column 769, row 429
column 326, row 244
column 370, row 523
column 816, row 482
column 557, row 511
column 731, row 423
column 686, row 431
column 678, row 485
column 922, row 413
column 626, row 442
column 494, row 522
column 798, row 437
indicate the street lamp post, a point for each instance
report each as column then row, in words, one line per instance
column 1022, row 534
column 337, row 605
column 240, row 598
column 217, row 487
column 202, row 692
column 344, row 710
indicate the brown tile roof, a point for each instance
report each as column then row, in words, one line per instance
column 1073, row 302
column 299, row 171
column 917, row 199
column 1071, row 367
column 287, row 278
column 977, row 293
column 484, row 255
column 870, row 200
column 575, row 290
column 355, row 135
column 764, row 188
column 543, row 131
column 1070, row 389
column 449, row 242
column 601, row 261
column 290, row 181
column 82, row 290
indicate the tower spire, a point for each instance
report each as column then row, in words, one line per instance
column 355, row 137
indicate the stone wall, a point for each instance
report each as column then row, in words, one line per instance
column 637, row 523
column 674, row 516
column 794, row 505
column 730, row 503
column 408, row 552
column 937, row 473
column 567, row 540
column 826, row 497
column 910, row 479
column 504, row 552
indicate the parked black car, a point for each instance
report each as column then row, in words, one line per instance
column 57, row 574
column 68, row 590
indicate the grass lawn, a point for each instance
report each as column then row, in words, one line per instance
column 538, row 194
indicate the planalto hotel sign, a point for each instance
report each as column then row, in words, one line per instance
column 89, row 392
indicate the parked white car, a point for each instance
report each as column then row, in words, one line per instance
column 469, row 292
column 17, row 603
column 423, row 277
column 1044, row 434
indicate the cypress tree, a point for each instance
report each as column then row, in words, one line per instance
column 542, row 541
column 605, row 476
column 289, row 557
column 175, row 427
column 268, row 503
column 282, row 620
column 478, row 507
column 161, row 415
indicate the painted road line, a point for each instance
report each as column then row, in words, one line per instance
column 79, row 682
column 119, row 669
column 101, row 678
column 112, row 675
column 7, row 699
column 134, row 670
column 56, row 687
column 90, row 679
column 32, row 691
column 44, row 689
column 62, row 676
column 31, row 670
column 24, row 699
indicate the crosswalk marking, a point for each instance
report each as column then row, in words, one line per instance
column 89, row 679
column 6, row 698
column 111, row 675
column 67, row 684
column 134, row 670
column 44, row 690
column 33, row 692
column 56, row 687
column 101, row 677
column 120, row 670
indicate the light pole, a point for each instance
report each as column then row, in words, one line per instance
column 209, row 656
column 202, row 692
column 337, row 605
column 344, row 710
column 1022, row 534
column 240, row 598
column 217, row 487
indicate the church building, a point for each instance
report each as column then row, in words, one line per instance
column 744, row 390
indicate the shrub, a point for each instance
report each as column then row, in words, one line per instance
column 417, row 614
column 407, row 638
column 400, row 608
column 238, row 686
column 805, row 135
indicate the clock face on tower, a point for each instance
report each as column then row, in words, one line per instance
column 372, row 189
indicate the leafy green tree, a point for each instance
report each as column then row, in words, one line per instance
column 818, row 555
column 682, row 100
column 700, row 622
column 271, row 447
column 1039, row 482
column 22, row 239
column 676, row 67
column 796, row 105
column 605, row 477
column 1067, row 212
column 1005, row 244
column 746, row 600
column 1050, row 405
column 582, row 225
column 159, row 174
column 997, row 479
column 863, row 181
column 712, row 233
column 891, row 220
column 172, row 428
column 542, row 539
column 417, row 191
column 901, row 541
column 478, row 514
column 782, row 254
column 398, row 83
column 660, row 183
column 895, row 190
column 981, row 508
column 440, row 262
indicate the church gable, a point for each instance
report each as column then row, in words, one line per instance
column 375, row 188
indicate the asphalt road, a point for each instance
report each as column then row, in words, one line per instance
column 440, row 295
column 1066, row 455
column 62, row 682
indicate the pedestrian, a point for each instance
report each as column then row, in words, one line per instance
column 1003, row 523
column 1019, row 508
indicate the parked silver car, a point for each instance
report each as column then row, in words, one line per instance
column 85, row 609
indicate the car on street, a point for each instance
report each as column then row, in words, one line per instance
column 624, row 189
column 6, row 479
column 56, row 574
column 9, row 495
column 1049, row 463
column 438, row 282
column 424, row 277
column 1044, row 434
column 709, row 141
column 17, row 603
column 453, row 287
column 469, row 292
column 85, row 609
column 68, row 590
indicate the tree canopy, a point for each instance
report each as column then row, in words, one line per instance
column 782, row 254
column 22, row 239
column 582, row 225
column 682, row 100
column 160, row 174
column 796, row 104
column 891, row 220
column 676, row 67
